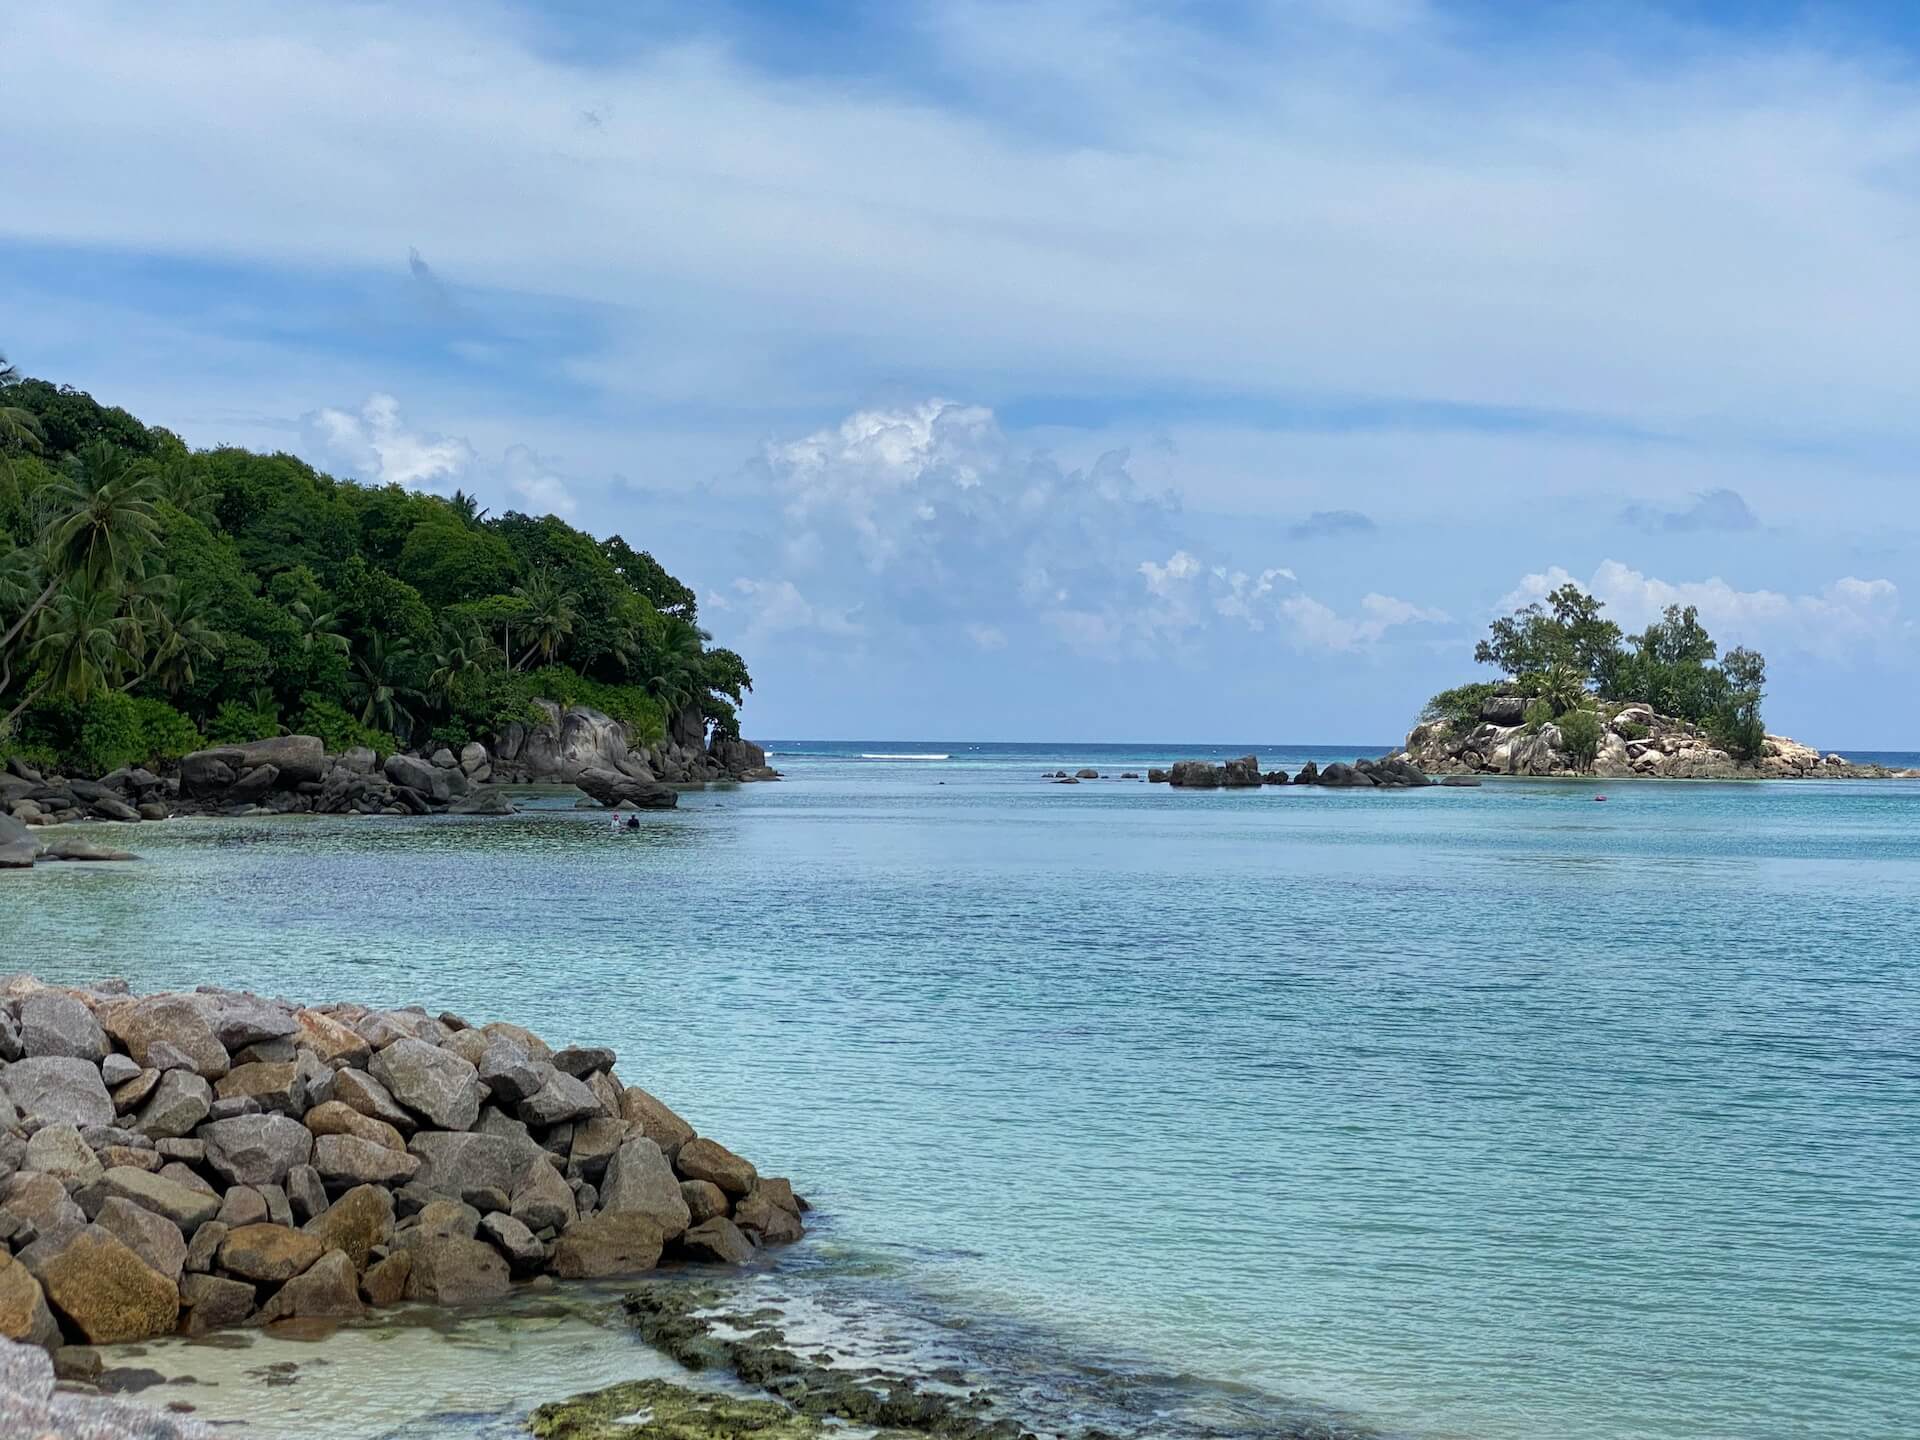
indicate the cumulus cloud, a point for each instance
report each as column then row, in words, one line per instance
column 376, row 444
column 1720, row 509
column 1328, row 524
column 1850, row 612
column 1185, row 595
column 535, row 482
column 774, row 607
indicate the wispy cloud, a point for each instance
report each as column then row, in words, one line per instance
column 1709, row 510
column 1327, row 524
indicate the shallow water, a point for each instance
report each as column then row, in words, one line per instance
column 1482, row 1112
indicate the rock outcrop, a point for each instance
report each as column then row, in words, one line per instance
column 1635, row 742
column 1391, row 772
column 157, row 1175
column 581, row 746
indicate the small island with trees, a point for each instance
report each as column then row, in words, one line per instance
column 1580, row 696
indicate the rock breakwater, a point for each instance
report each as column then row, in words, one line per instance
column 193, row 1161
column 1243, row 773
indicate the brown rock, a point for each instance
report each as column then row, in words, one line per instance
column 128, row 1096
column 187, row 1206
column 336, row 1044
column 242, row 1205
column 355, row 1223
column 703, row 1159
column 214, row 1302
column 326, row 1290
column 765, row 1221
column 386, row 1283
column 127, row 1156
column 173, row 1020
column 43, row 1201
column 101, row 1288
column 606, row 1245
column 718, row 1241
column 780, row 1192
column 453, row 1270
column 277, row 1087
column 536, row 1048
column 705, row 1200
column 360, row 1091
column 268, row 1252
column 349, row 1160
column 656, row 1121
column 639, row 1180
column 541, row 1199
column 335, row 1117
column 24, row 1315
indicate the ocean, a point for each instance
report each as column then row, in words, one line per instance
column 1493, row 1112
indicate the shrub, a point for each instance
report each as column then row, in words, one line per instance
column 1538, row 715
column 339, row 730
column 166, row 733
column 1738, row 731
column 237, row 724
column 1581, row 732
column 1633, row 730
column 1460, row 706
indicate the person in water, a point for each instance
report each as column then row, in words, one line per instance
column 616, row 820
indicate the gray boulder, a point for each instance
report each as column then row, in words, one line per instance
column 58, row 1088
column 640, row 1181
column 180, row 1102
column 256, row 1149
column 53, row 1024
column 561, row 1099
column 626, row 792
column 432, row 1082
column 464, row 1165
column 419, row 776
column 1196, row 775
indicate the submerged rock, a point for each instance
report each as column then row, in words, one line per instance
column 672, row 1412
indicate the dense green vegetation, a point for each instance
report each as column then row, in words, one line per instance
column 1564, row 655
column 154, row 599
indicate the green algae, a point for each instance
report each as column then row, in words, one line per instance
column 660, row 1410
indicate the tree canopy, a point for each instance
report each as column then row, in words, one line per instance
column 1564, row 652
column 154, row 597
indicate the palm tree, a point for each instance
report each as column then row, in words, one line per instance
column 550, row 610
column 462, row 650
column 80, row 646
column 184, row 488
column 380, row 684
column 19, row 427
column 318, row 630
column 102, row 512
column 676, row 680
column 181, row 637
column 467, row 507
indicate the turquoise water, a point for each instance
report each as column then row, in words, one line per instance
column 1484, row 1112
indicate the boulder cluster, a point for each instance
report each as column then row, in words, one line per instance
column 1244, row 773
column 1634, row 741
column 581, row 746
column 191, row 1161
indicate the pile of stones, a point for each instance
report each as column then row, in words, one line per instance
column 190, row 1161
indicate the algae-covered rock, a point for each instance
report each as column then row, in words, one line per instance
column 660, row 1410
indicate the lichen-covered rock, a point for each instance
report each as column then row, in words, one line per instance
column 213, row 1302
column 355, row 1223
column 268, row 1253
column 431, row 1082
column 673, row 1413
column 452, row 1269
column 328, row 1289
column 603, row 1245
column 101, row 1288
column 24, row 1315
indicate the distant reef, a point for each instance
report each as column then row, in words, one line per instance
column 1633, row 742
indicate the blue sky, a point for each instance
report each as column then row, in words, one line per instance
column 1055, row 370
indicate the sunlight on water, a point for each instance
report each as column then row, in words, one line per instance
column 1486, row 1112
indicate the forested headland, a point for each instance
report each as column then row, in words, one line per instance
column 155, row 599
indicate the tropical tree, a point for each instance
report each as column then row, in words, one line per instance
column 19, row 427
column 380, row 684
column 677, row 678
column 80, row 646
column 180, row 637
column 462, row 650
column 467, row 507
column 548, row 620
column 319, row 629
column 103, row 515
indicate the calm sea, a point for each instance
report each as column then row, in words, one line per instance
column 1490, row 1112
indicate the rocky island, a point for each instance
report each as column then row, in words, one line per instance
column 193, row 1161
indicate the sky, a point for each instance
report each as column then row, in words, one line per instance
column 1046, row 370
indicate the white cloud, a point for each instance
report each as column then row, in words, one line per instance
column 987, row 637
column 1850, row 612
column 774, row 607
column 533, row 480
column 376, row 445
column 1187, row 594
